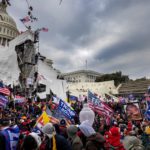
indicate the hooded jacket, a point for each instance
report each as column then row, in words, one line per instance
column 114, row 138
column 74, row 139
column 95, row 142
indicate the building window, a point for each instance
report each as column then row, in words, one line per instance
column 4, row 30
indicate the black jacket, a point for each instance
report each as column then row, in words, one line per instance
column 61, row 143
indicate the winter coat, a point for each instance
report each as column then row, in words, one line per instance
column 63, row 131
column 2, row 142
column 114, row 138
column 145, row 139
column 61, row 144
column 95, row 142
column 76, row 143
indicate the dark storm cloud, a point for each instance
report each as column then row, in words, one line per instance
column 134, row 43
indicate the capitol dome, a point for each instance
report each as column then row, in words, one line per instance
column 8, row 28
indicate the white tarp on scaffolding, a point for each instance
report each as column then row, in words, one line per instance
column 9, row 70
column 48, row 77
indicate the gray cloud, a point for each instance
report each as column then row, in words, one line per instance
column 111, row 34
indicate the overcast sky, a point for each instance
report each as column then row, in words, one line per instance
column 111, row 35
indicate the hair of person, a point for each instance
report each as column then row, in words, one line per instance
column 29, row 143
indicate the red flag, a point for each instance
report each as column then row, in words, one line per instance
column 4, row 91
column 25, row 19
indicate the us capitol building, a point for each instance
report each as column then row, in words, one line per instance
column 8, row 28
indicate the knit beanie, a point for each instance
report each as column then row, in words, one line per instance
column 72, row 130
column 49, row 130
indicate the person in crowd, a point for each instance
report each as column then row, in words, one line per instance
column 57, row 129
column 115, row 137
column 31, row 142
column 9, row 135
column 53, row 141
column 132, row 143
column 122, row 125
column 129, row 126
column 63, row 128
column 94, row 140
column 4, row 123
column 106, row 136
column 73, row 138
column 145, row 137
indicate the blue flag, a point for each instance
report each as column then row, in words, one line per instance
column 3, row 100
column 11, row 137
column 73, row 98
column 131, row 97
column 66, row 110
column 147, row 113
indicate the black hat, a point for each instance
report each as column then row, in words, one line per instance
column 62, row 122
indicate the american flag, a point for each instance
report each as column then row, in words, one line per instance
column 53, row 120
column 97, row 105
column 25, row 19
column 5, row 91
column 19, row 99
column 3, row 100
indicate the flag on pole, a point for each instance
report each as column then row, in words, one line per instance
column 19, row 99
column 147, row 113
column 42, row 120
column 5, row 91
column 73, row 98
column 52, row 119
column 25, row 19
column 3, row 100
column 12, row 137
column 49, row 113
column 97, row 105
column 66, row 110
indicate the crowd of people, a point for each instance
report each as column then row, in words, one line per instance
column 120, row 134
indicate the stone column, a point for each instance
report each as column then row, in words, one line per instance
column 2, row 41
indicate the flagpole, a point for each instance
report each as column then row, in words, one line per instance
column 28, row 3
column 86, row 64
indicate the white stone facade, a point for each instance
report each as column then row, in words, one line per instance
column 81, row 76
column 100, row 88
